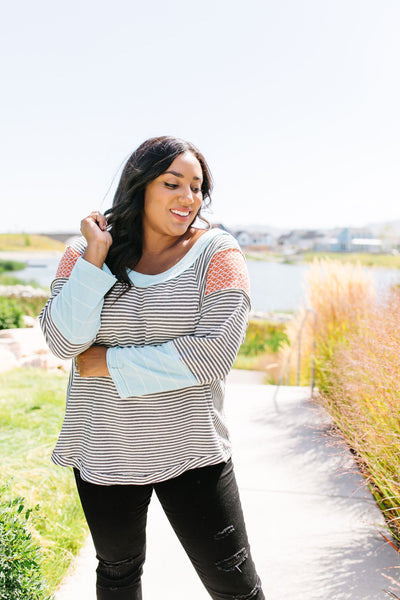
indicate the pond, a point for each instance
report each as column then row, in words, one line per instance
column 274, row 286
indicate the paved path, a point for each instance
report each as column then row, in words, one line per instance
column 313, row 527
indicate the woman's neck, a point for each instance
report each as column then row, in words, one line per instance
column 161, row 254
column 157, row 244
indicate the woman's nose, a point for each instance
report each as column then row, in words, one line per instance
column 187, row 196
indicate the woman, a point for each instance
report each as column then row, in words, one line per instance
column 153, row 311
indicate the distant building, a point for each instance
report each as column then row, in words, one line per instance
column 350, row 239
column 254, row 238
column 300, row 239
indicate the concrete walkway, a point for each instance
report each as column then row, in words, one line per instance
column 313, row 527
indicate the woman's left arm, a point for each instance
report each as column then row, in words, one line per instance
column 206, row 355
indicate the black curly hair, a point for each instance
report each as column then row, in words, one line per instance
column 124, row 218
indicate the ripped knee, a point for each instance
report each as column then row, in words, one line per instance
column 224, row 533
column 122, row 573
column 233, row 562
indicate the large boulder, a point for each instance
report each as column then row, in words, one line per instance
column 27, row 348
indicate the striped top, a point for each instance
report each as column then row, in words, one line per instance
column 172, row 339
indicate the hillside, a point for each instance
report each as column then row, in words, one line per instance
column 28, row 242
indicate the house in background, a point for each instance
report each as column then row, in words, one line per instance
column 247, row 238
column 300, row 240
column 350, row 239
column 347, row 239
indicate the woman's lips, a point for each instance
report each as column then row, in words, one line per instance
column 181, row 214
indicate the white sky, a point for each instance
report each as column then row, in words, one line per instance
column 294, row 103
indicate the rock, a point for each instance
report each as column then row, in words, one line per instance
column 23, row 290
column 27, row 348
column 8, row 360
column 29, row 321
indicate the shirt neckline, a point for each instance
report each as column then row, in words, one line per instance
column 144, row 280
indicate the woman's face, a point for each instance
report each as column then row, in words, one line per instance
column 172, row 200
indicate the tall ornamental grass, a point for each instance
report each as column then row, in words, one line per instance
column 339, row 295
column 364, row 401
column 356, row 344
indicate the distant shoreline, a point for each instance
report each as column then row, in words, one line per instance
column 26, row 255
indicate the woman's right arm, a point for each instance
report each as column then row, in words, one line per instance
column 71, row 318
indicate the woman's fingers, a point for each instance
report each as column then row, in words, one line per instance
column 99, row 218
column 94, row 228
column 92, row 362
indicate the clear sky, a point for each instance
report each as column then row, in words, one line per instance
column 294, row 103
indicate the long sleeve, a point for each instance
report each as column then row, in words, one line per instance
column 206, row 355
column 72, row 316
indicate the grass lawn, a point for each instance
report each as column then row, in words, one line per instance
column 31, row 412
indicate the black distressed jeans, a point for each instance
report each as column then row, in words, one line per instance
column 203, row 507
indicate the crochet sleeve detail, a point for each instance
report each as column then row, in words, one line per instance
column 227, row 270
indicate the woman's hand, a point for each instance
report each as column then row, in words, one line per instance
column 92, row 362
column 99, row 240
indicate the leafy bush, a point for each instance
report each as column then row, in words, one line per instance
column 11, row 265
column 31, row 305
column 260, row 349
column 263, row 336
column 20, row 557
column 10, row 314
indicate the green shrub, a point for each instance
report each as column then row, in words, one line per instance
column 10, row 314
column 30, row 305
column 11, row 265
column 263, row 336
column 20, row 556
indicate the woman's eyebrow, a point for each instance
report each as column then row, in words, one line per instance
column 180, row 175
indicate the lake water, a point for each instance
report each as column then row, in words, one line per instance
column 274, row 286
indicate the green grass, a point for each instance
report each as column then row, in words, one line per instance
column 31, row 412
column 14, row 242
column 6, row 279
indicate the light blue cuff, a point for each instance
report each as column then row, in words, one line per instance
column 76, row 309
column 137, row 371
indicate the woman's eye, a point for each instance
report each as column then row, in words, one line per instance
column 172, row 186
column 196, row 190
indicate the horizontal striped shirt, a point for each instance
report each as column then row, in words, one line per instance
column 172, row 339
